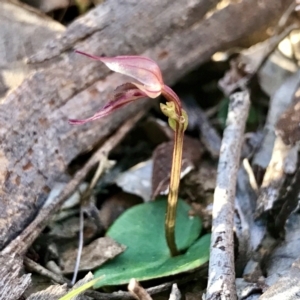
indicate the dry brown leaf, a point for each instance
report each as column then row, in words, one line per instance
column 162, row 161
column 93, row 255
column 114, row 206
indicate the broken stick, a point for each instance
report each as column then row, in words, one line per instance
column 221, row 280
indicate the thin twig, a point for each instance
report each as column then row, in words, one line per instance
column 21, row 244
column 80, row 245
column 221, row 281
column 252, row 179
column 137, row 291
column 102, row 166
column 286, row 15
column 121, row 295
column 85, row 198
column 37, row 268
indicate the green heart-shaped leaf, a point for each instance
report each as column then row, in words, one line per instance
column 147, row 256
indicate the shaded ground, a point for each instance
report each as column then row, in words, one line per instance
column 99, row 171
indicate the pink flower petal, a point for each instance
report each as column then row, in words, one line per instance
column 150, row 92
column 124, row 95
column 124, row 88
column 141, row 68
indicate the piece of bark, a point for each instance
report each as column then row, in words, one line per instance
column 282, row 265
column 247, row 290
column 93, row 255
column 249, row 61
column 53, row 292
column 221, row 280
column 12, row 284
column 289, row 203
column 283, row 162
column 287, row 287
column 23, row 31
column 281, row 100
column 287, row 126
column 37, row 144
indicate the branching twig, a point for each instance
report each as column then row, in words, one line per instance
column 221, row 281
column 35, row 267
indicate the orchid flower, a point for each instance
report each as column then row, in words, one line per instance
column 149, row 84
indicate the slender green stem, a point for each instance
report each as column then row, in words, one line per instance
column 179, row 129
column 173, row 190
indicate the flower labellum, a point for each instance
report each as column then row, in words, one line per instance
column 142, row 69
